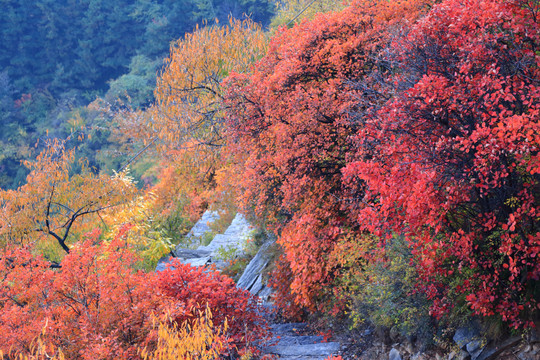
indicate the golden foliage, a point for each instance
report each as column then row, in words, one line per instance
column 189, row 91
column 60, row 197
column 200, row 341
column 143, row 235
column 188, row 116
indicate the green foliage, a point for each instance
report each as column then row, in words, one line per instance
column 227, row 253
column 58, row 56
column 207, row 238
column 174, row 224
column 384, row 295
column 86, row 43
column 137, row 86
column 257, row 10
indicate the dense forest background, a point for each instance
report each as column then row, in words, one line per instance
column 58, row 56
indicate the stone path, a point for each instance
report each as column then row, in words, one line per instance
column 289, row 343
column 288, row 340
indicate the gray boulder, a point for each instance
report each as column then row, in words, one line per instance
column 308, row 350
column 493, row 351
column 191, row 254
column 394, row 355
column 251, row 279
column 466, row 335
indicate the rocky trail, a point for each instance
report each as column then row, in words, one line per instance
column 289, row 340
column 294, row 341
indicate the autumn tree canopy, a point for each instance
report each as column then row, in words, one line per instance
column 290, row 126
column 379, row 122
column 383, row 138
column 55, row 201
column 188, row 115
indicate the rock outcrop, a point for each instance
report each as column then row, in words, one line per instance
column 252, row 277
column 223, row 247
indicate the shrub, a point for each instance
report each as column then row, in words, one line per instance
column 200, row 340
column 199, row 288
column 94, row 307
column 453, row 161
column 385, row 294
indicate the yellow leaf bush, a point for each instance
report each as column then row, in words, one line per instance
column 199, row 341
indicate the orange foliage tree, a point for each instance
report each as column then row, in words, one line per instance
column 188, row 115
column 200, row 288
column 200, row 340
column 59, row 197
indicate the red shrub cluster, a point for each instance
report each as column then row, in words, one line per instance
column 290, row 126
column 454, row 159
column 97, row 307
column 198, row 288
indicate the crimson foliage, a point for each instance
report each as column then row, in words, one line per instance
column 290, row 127
column 197, row 288
column 97, row 307
column 377, row 122
column 453, row 160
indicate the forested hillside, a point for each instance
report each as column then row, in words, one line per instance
column 387, row 151
column 58, row 56
column 66, row 45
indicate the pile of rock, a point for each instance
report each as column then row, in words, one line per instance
column 473, row 346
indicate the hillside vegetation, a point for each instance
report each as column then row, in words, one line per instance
column 391, row 147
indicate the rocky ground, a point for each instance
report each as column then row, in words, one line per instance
column 289, row 342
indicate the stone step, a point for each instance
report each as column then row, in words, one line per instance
column 198, row 261
column 235, row 237
column 313, row 350
column 191, row 254
column 287, row 329
column 297, row 340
